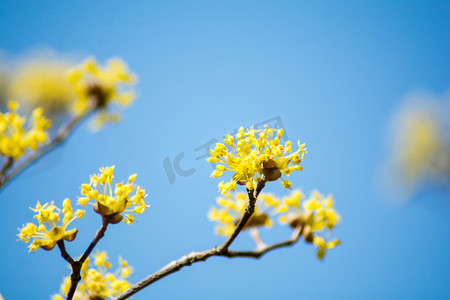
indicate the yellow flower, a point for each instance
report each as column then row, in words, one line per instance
column 315, row 214
column 110, row 203
column 323, row 246
column 40, row 81
column 323, row 213
column 421, row 146
column 98, row 87
column 96, row 282
column 17, row 135
column 232, row 207
column 255, row 153
column 101, row 260
column 47, row 233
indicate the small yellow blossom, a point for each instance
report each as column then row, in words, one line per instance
column 117, row 203
column 40, row 81
column 255, row 153
column 47, row 233
column 421, row 145
column 232, row 207
column 315, row 214
column 96, row 282
column 323, row 246
column 100, row 86
column 17, row 135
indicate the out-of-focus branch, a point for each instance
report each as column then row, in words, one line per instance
column 194, row 257
column 6, row 165
column 60, row 137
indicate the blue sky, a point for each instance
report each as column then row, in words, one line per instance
column 334, row 73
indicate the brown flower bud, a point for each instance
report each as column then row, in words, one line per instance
column 272, row 174
column 115, row 218
column 71, row 237
column 269, row 164
column 294, row 221
column 99, row 93
column 270, row 170
column 102, row 209
column 48, row 247
column 255, row 221
column 308, row 234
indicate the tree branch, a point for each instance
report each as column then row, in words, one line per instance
column 62, row 134
column 194, row 257
column 249, row 210
column 6, row 165
column 64, row 254
column 263, row 250
column 98, row 236
column 75, row 277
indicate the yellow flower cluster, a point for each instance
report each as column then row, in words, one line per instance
column 40, row 81
column 232, row 207
column 422, row 144
column 98, row 87
column 16, row 136
column 255, row 153
column 315, row 214
column 96, row 282
column 127, row 197
column 47, row 233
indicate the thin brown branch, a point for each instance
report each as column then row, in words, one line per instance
column 75, row 277
column 64, row 254
column 195, row 257
column 6, row 165
column 263, row 250
column 98, row 236
column 249, row 210
column 222, row 250
column 170, row 268
column 61, row 136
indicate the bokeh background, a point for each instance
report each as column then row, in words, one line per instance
column 335, row 73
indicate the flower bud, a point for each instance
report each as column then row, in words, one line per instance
column 294, row 221
column 308, row 234
column 257, row 220
column 115, row 218
column 71, row 236
column 272, row 174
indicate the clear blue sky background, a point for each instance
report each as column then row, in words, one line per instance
column 334, row 72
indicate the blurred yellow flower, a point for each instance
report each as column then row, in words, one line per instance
column 115, row 204
column 315, row 214
column 232, row 207
column 17, row 135
column 98, row 87
column 47, row 233
column 96, row 282
column 254, row 153
column 323, row 246
column 40, row 81
column 421, row 145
